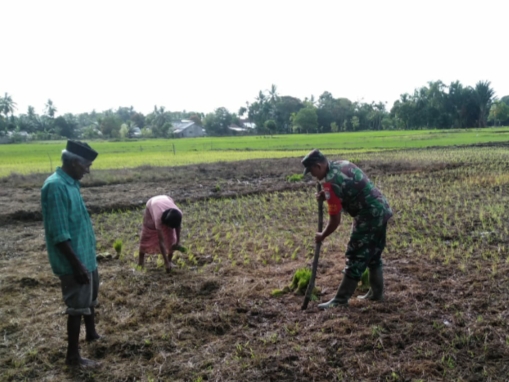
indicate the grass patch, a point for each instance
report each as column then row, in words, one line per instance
column 44, row 156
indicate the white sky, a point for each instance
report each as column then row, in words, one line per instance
column 203, row 54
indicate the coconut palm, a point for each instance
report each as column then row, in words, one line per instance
column 273, row 96
column 50, row 109
column 484, row 96
column 7, row 105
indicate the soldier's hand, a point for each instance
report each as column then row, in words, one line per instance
column 319, row 237
column 320, row 196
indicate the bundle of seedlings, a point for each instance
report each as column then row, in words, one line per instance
column 298, row 285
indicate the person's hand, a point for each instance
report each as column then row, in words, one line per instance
column 81, row 274
column 319, row 237
column 320, row 196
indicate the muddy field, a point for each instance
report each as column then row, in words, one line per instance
column 248, row 229
column 106, row 190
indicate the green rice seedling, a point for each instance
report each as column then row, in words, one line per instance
column 181, row 263
column 280, row 292
column 192, row 259
column 180, row 248
column 364, row 286
column 117, row 246
column 300, row 282
column 376, row 331
column 292, row 329
column 137, row 267
column 295, row 177
column 159, row 261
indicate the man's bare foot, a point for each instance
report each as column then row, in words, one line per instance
column 82, row 363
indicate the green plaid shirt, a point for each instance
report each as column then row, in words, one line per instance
column 66, row 218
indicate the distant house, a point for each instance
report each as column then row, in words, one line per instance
column 238, row 130
column 135, row 132
column 247, row 124
column 16, row 136
column 23, row 134
column 187, row 129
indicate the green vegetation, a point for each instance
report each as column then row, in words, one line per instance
column 117, row 246
column 300, row 280
column 435, row 105
column 295, row 177
column 45, row 156
column 299, row 285
column 364, row 284
column 180, row 248
column 446, row 265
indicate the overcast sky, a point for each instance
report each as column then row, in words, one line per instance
column 200, row 55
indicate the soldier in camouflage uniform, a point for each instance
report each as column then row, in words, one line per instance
column 345, row 186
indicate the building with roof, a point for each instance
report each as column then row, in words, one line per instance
column 235, row 129
column 187, row 129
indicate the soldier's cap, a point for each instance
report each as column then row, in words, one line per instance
column 81, row 149
column 313, row 157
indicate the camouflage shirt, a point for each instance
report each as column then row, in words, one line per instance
column 347, row 187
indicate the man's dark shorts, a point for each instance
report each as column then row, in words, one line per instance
column 79, row 298
column 365, row 249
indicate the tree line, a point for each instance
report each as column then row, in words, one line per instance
column 435, row 105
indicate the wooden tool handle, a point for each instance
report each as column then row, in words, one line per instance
column 311, row 285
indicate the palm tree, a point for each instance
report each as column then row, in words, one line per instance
column 7, row 105
column 31, row 112
column 484, row 95
column 273, row 96
column 455, row 103
column 50, row 109
column 261, row 98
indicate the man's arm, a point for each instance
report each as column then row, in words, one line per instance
column 331, row 194
column 56, row 216
column 332, row 225
column 80, row 272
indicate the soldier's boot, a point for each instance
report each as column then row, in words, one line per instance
column 376, row 281
column 343, row 294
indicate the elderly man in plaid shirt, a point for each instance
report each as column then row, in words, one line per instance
column 70, row 242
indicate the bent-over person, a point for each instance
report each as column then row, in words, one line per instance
column 161, row 230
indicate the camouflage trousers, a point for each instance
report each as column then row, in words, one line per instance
column 367, row 242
